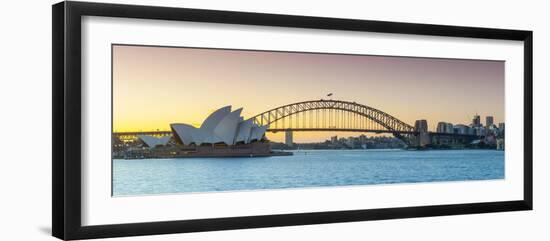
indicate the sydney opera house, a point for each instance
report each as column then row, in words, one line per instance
column 223, row 133
column 222, row 126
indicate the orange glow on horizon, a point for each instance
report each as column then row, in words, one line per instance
column 156, row 86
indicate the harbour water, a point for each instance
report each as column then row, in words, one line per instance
column 308, row 168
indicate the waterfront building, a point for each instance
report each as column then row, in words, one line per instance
column 489, row 121
column 448, row 128
column 490, row 139
column 350, row 142
column 362, row 138
column 501, row 129
column 441, row 127
column 462, row 129
column 334, row 139
column 479, row 131
column 493, row 129
column 444, row 127
column 500, row 144
column 222, row 126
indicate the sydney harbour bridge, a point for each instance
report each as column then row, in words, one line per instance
column 337, row 116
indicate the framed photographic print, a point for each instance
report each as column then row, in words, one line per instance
column 170, row 120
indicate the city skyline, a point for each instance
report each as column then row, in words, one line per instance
column 156, row 86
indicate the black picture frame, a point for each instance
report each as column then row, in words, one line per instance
column 66, row 158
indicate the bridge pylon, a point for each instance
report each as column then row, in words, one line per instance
column 289, row 139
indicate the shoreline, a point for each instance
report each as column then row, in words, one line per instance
column 209, row 155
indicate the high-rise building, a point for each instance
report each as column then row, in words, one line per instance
column 449, row 128
column 489, row 121
column 444, row 127
column 501, row 129
column 441, row 127
column 476, row 122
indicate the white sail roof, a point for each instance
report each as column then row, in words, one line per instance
column 244, row 130
column 152, row 141
column 226, row 130
column 257, row 132
column 220, row 126
column 210, row 123
column 186, row 133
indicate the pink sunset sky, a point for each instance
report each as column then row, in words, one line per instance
column 156, row 86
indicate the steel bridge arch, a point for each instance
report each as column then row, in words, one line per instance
column 392, row 124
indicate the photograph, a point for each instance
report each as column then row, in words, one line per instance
column 193, row 120
column 169, row 119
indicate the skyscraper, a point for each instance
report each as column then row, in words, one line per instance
column 489, row 121
column 441, row 127
column 476, row 122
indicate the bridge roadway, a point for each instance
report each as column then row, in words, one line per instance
column 332, row 115
column 149, row 133
column 274, row 130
